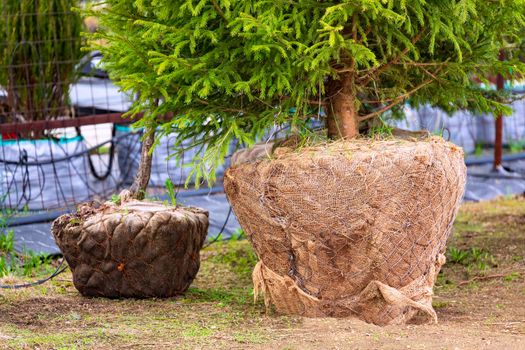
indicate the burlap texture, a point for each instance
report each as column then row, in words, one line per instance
column 352, row 228
column 136, row 249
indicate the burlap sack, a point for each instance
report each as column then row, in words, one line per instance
column 136, row 249
column 352, row 228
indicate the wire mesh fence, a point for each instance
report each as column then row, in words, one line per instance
column 44, row 78
column 472, row 132
column 39, row 54
column 62, row 138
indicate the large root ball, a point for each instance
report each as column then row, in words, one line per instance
column 136, row 249
column 351, row 228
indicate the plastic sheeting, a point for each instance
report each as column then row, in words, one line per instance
column 513, row 126
column 162, row 168
column 48, row 174
column 460, row 127
column 466, row 129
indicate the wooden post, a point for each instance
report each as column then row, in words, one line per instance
column 498, row 143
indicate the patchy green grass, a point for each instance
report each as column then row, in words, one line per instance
column 482, row 286
column 484, row 276
column 26, row 264
column 218, row 310
column 488, row 239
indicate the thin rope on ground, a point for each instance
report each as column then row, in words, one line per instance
column 57, row 272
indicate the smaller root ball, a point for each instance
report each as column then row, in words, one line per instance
column 136, row 249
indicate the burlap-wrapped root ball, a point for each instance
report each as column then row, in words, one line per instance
column 351, row 228
column 136, row 249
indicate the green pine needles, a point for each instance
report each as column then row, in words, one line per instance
column 39, row 48
column 227, row 69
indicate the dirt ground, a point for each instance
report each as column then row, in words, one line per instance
column 480, row 301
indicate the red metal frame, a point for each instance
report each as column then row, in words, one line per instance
column 498, row 142
column 42, row 125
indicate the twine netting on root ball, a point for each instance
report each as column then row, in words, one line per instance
column 352, row 228
column 136, row 249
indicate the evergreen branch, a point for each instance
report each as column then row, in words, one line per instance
column 315, row 103
column 354, row 27
column 219, row 11
column 320, row 102
column 230, row 110
column 395, row 102
column 363, row 37
column 432, row 75
column 429, row 73
column 377, row 71
column 424, row 64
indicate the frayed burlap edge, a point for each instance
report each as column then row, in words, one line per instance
column 282, row 292
column 376, row 299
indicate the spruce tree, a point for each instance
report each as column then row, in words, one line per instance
column 226, row 69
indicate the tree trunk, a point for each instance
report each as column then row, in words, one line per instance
column 342, row 122
column 140, row 184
